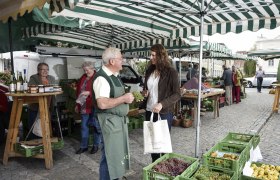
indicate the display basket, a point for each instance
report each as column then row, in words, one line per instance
column 233, row 175
column 150, row 174
column 39, row 149
column 235, row 165
column 244, row 177
column 244, row 139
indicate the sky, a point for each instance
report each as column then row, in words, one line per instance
column 243, row 41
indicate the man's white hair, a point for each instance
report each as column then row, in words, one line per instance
column 110, row 53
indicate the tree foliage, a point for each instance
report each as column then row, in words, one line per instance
column 250, row 68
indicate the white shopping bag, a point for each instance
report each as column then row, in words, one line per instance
column 156, row 136
column 37, row 129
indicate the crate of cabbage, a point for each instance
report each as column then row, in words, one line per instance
column 263, row 171
column 169, row 166
column 244, row 139
column 207, row 173
column 227, row 156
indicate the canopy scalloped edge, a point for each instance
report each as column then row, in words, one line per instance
column 13, row 9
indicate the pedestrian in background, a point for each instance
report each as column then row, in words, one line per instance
column 86, row 108
column 227, row 77
column 161, row 88
column 112, row 109
column 236, row 84
column 259, row 75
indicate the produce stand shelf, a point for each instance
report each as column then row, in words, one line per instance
column 231, row 174
column 32, row 151
column 258, row 164
column 227, row 164
column 149, row 174
column 244, row 139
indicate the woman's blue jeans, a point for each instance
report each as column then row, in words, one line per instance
column 89, row 120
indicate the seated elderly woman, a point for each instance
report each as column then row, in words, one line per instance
column 193, row 83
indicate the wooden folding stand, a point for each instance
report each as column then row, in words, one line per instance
column 26, row 98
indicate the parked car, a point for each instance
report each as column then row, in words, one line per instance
column 268, row 80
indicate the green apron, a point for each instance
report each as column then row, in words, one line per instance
column 113, row 123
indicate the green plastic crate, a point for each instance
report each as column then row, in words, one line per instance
column 227, row 164
column 233, row 175
column 149, row 174
column 245, row 139
column 243, row 177
column 28, row 152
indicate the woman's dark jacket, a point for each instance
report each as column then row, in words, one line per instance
column 168, row 88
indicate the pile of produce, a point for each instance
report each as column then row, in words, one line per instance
column 171, row 167
column 138, row 97
column 265, row 171
column 225, row 156
column 204, row 173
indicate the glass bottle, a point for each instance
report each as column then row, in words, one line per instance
column 25, row 83
column 19, row 82
column 12, row 85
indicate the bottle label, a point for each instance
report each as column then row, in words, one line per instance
column 12, row 88
column 25, row 86
column 18, row 87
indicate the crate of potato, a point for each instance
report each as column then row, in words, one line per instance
column 245, row 139
column 263, row 171
column 209, row 173
column 231, row 157
column 169, row 166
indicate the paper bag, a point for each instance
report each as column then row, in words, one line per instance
column 156, row 136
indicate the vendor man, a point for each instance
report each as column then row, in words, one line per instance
column 112, row 108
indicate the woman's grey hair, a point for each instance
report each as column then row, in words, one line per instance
column 40, row 65
column 110, row 53
column 88, row 64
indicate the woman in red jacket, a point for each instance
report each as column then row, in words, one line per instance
column 85, row 107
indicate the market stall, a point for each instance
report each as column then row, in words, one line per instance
column 213, row 93
column 25, row 98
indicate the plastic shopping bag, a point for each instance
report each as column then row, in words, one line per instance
column 156, row 136
column 37, row 129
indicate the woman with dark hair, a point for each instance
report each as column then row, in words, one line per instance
column 161, row 87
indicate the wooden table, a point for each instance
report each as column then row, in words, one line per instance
column 26, row 98
column 275, row 107
column 215, row 95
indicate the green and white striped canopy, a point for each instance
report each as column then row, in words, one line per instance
column 134, row 24
column 181, row 18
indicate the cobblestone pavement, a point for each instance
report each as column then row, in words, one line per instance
column 253, row 114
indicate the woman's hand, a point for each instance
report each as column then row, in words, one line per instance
column 85, row 93
column 145, row 93
column 77, row 109
column 157, row 108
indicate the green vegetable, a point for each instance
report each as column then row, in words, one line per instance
column 138, row 97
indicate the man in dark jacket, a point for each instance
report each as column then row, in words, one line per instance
column 227, row 77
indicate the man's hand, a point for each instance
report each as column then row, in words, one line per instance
column 128, row 98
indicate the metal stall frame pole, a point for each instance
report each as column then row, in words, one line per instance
column 11, row 44
column 202, row 13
